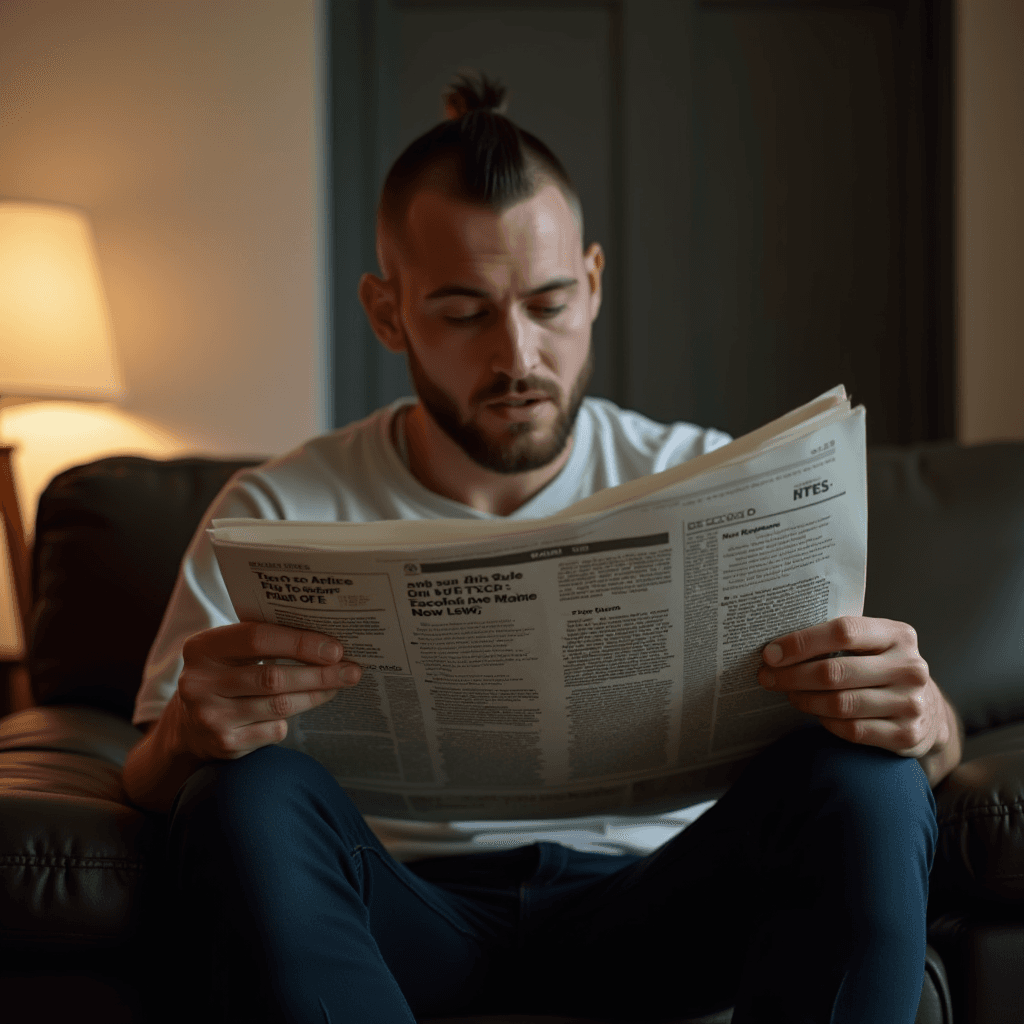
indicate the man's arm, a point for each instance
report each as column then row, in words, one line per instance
column 865, row 680
column 232, row 698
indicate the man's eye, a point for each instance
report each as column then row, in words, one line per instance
column 465, row 318
column 546, row 312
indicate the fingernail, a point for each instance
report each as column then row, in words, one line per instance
column 772, row 654
column 329, row 651
column 350, row 674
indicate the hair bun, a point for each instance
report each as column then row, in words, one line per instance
column 472, row 91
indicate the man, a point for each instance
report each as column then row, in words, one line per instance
column 800, row 896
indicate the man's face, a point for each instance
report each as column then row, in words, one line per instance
column 496, row 312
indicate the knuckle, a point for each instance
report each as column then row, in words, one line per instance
column 915, row 674
column 194, row 691
column 846, row 631
column 847, row 703
column 188, row 685
column 281, row 705
column 259, row 636
column 857, row 731
column 921, row 670
column 229, row 743
column 271, row 678
column 908, row 635
column 834, row 672
column 918, row 704
column 206, row 716
column 908, row 736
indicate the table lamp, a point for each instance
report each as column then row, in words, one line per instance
column 55, row 343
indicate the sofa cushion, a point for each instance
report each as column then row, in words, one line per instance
column 109, row 538
column 946, row 554
column 73, row 851
column 979, row 862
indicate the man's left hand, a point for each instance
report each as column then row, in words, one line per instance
column 865, row 680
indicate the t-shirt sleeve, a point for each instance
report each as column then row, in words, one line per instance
column 199, row 600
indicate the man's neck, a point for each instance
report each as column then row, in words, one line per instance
column 444, row 468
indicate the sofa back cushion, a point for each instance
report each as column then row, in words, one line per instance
column 946, row 554
column 109, row 538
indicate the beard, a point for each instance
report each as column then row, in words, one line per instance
column 518, row 448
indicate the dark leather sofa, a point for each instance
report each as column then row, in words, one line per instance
column 82, row 933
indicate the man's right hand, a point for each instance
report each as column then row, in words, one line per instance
column 232, row 698
column 234, row 694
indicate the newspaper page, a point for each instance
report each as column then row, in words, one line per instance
column 598, row 661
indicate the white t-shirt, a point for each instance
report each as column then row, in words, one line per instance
column 355, row 474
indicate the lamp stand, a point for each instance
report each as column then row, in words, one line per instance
column 19, row 694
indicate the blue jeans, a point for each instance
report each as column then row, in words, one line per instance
column 800, row 896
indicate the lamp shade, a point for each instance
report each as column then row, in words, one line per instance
column 55, row 336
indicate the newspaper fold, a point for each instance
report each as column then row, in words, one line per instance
column 601, row 660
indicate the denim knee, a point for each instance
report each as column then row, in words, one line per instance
column 813, row 784
column 273, row 792
column 872, row 783
column 261, row 775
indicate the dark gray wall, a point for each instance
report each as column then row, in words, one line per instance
column 769, row 180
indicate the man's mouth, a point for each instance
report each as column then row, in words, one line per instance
column 521, row 407
column 520, row 399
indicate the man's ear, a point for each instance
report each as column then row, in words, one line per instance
column 380, row 300
column 593, row 260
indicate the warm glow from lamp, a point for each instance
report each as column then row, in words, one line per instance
column 55, row 336
column 56, row 343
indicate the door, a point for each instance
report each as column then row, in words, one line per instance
column 770, row 182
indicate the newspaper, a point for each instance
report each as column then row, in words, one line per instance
column 600, row 660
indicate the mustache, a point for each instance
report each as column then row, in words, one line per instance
column 503, row 386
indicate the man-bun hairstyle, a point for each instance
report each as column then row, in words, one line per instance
column 477, row 155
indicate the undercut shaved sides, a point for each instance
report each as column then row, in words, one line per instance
column 478, row 156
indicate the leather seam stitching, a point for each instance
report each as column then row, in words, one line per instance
column 988, row 811
column 23, row 860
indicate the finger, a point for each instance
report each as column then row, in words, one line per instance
column 891, row 668
column 251, row 710
column 846, row 633
column 244, row 739
column 269, row 679
column 250, row 641
column 881, row 702
column 908, row 739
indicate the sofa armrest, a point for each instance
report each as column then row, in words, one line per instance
column 74, row 853
column 980, row 857
column 70, row 730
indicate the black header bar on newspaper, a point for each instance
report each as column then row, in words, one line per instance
column 542, row 554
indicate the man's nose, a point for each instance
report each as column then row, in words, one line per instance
column 517, row 346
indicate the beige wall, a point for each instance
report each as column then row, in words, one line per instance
column 991, row 218
column 189, row 131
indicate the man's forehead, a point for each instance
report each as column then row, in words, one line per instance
column 537, row 238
